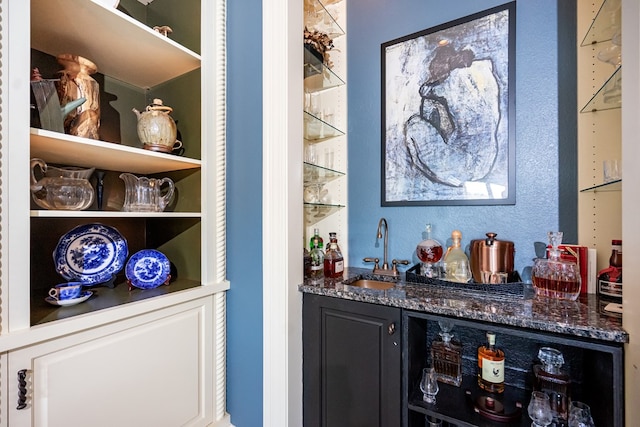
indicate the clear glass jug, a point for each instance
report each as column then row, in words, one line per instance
column 144, row 194
column 61, row 188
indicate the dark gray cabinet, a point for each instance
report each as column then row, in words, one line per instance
column 352, row 363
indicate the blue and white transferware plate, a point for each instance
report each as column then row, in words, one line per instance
column 90, row 253
column 148, row 269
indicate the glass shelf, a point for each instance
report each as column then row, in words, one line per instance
column 316, row 212
column 607, row 186
column 314, row 174
column 609, row 96
column 318, row 18
column 605, row 24
column 317, row 76
column 317, row 130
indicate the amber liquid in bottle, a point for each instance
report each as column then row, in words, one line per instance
column 491, row 366
column 446, row 355
column 333, row 259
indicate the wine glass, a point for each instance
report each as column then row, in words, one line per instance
column 429, row 385
column 580, row 415
column 540, row 409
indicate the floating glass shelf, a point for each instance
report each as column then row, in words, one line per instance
column 609, row 96
column 607, row 186
column 605, row 24
column 317, row 18
column 314, row 174
column 317, row 130
column 319, row 77
column 316, row 212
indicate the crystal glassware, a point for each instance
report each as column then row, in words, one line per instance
column 429, row 252
column 539, row 409
column 580, row 415
column 555, row 277
column 552, row 380
column 446, row 355
column 429, row 385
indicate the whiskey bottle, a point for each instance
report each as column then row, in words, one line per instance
column 491, row 366
column 446, row 355
column 456, row 262
column 333, row 260
column 610, row 279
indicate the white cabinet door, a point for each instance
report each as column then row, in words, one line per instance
column 152, row 370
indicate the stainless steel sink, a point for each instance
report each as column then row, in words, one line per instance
column 372, row 284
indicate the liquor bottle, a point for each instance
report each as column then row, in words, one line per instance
column 316, row 238
column 446, row 355
column 456, row 262
column 307, row 263
column 333, row 260
column 554, row 381
column 610, row 279
column 491, row 366
column 317, row 262
column 429, row 251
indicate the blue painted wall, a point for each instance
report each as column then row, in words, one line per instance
column 538, row 145
column 244, row 212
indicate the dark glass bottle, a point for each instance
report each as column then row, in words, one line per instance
column 333, row 260
column 610, row 279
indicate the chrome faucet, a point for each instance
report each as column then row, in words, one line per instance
column 385, row 270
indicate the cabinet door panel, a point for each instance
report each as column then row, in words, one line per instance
column 351, row 363
column 150, row 374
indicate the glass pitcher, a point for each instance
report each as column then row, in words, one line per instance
column 61, row 188
column 144, row 194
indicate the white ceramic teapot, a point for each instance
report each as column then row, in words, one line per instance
column 156, row 129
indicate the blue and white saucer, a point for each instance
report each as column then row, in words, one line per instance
column 71, row 301
column 148, row 269
column 90, row 253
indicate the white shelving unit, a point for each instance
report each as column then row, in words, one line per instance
column 166, row 343
column 325, row 124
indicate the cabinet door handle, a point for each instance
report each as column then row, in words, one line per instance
column 22, row 389
column 391, row 329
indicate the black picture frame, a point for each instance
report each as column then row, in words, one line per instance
column 448, row 113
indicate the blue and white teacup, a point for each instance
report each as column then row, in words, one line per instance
column 65, row 291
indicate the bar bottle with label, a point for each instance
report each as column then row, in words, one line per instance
column 333, row 259
column 491, row 366
column 610, row 279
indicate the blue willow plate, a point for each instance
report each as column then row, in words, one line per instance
column 148, row 269
column 90, row 253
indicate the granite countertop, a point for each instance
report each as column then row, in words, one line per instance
column 580, row 318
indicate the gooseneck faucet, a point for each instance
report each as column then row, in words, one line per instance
column 385, row 263
column 385, row 270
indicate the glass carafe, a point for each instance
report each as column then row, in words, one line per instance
column 429, row 252
column 555, row 277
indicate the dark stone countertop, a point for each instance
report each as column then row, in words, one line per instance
column 580, row 318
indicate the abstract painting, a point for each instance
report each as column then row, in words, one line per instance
column 448, row 107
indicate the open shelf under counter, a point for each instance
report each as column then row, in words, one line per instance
column 54, row 147
column 111, row 39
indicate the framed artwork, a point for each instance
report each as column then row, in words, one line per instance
column 448, row 108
